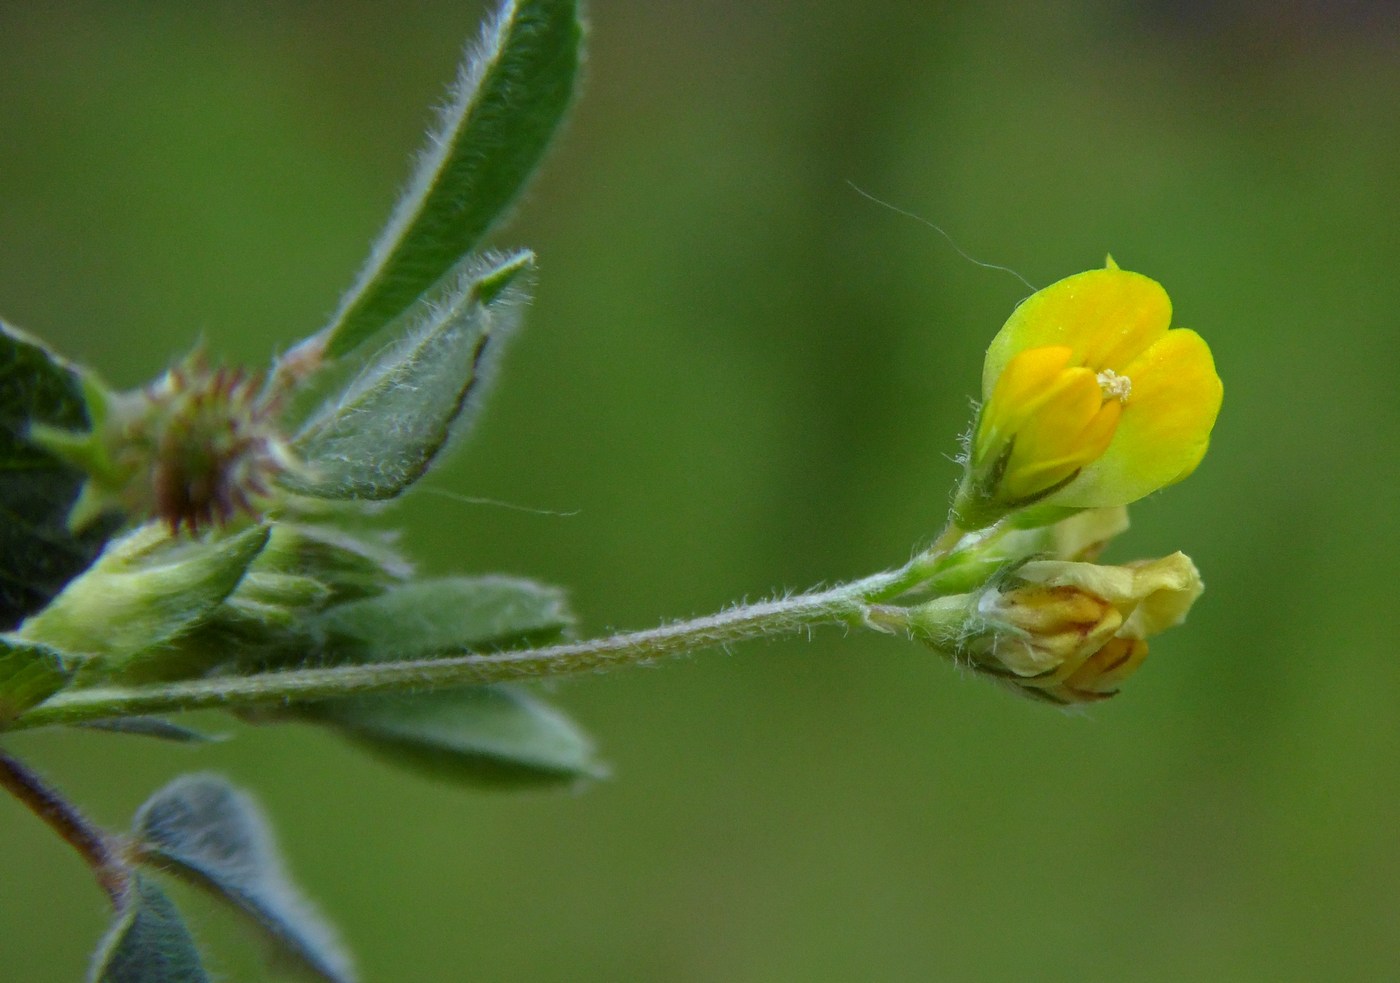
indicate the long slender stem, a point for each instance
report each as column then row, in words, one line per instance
column 98, row 848
column 845, row 604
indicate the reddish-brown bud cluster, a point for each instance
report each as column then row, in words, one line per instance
column 206, row 445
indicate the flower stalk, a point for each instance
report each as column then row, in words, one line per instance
column 925, row 599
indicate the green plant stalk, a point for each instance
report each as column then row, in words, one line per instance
column 846, row 604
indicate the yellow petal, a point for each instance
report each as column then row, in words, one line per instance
column 1062, row 438
column 1028, row 383
column 1107, row 317
column 1167, row 588
column 1165, row 427
column 1151, row 595
column 1104, row 671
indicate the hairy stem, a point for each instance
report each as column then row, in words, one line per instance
column 846, row 604
column 98, row 848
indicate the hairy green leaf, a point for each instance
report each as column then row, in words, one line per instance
column 509, row 98
column 493, row 735
column 29, row 674
column 201, row 828
column 447, row 616
column 38, row 554
column 380, row 436
column 148, row 943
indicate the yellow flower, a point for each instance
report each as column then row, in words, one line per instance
column 1072, row 632
column 1089, row 399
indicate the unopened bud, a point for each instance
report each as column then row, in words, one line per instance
column 145, row 589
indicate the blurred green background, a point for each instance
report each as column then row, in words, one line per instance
column 743, row 376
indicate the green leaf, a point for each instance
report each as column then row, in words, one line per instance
column 382, row 433
column 145, row 589
column 493, row 735
column 201, row 828
column 510, row 95
column 447, row 616
column 38, row 554
column 29, row 675
column 148, row 943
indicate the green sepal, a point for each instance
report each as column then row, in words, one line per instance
column 380, row 436
column 509, row 97
column 979, row 503
column 939, row 623
column 148, row 943
column 29, row 675
column 482, row 735
column 349, row 567
column 279, row 598
column 268, row 618
column 203, row 830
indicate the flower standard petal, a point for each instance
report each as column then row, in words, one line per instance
column 1107, row 317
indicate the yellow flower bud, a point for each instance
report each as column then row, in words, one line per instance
column 1072, row 632
column 1088, row 400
